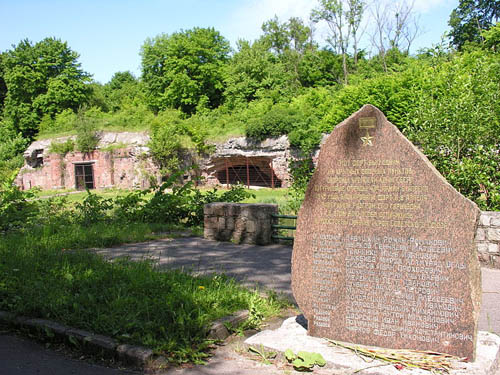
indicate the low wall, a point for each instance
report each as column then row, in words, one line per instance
column 239, row 222
column 488, row 239
column 251, row 224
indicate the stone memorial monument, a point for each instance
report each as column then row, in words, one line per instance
column 384, row 250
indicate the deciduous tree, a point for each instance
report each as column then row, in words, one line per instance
column 343, row 18
column 470, row 19
column 41, row 79
column 184, row 70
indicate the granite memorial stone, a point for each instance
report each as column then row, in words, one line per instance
column 384, row 250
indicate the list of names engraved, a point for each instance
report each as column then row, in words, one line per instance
column 391, row 286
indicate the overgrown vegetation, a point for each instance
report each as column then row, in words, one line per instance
column 46, row 274
column 194, row 90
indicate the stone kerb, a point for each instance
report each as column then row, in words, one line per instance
column 488, row 238
column 241, row 223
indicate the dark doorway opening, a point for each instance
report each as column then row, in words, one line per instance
column 84, row 176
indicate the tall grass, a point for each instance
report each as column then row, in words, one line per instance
column 130, row 301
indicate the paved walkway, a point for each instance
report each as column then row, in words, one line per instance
column 267, row 267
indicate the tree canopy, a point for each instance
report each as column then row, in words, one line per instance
column 470, row 19
column 41, row 79
column 184, row 70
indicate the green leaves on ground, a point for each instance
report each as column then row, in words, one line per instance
column 304, row 361
column 263, row 354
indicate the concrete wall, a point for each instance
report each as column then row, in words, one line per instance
column 239, row 222
column 488, row 239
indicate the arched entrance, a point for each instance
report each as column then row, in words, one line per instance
column 250, row 171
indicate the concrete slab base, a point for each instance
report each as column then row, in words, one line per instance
column 292, row 335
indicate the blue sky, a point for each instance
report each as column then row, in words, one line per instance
column 108, row 34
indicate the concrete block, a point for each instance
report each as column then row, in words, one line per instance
column 482, row 247
column 210, row 221
column 484, row 258
column 218, row 209
column 495, row 220
column 208, row 210
column 101, row 343
column 251, row 227
column 47, row 327
column 484, row 219
column 78, row 334
column 219, row 331
column 209, row 233
column 225, row 235
column 233, row 209
column 493, row 248
column 480, row 234
column 229, row 222
column 494, row 234
column 221, row 223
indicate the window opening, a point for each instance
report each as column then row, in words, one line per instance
column 38, row 160
column 84, row 176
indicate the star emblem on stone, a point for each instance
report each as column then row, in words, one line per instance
column 367, row 140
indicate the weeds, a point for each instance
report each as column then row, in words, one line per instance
column 167, row 311
column 47, row 274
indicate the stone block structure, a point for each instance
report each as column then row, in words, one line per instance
column 488, row 239
column 241, row 223
column 249, row 162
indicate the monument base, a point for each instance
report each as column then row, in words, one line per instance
column 292, row 335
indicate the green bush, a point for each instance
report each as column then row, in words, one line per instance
column 183, row 204
column 17, row 210
column 94, row 209
column 457, row 122
column 86, row 133
column 62, row 147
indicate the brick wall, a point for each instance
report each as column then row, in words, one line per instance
column 488, row 239
column 118, row 168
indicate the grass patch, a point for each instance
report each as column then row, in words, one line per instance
column 274, row 196
column 130, row 301
column 73, row 196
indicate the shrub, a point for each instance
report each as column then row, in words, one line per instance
column 94, row 209
column 62, row 147
column 17, row 211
